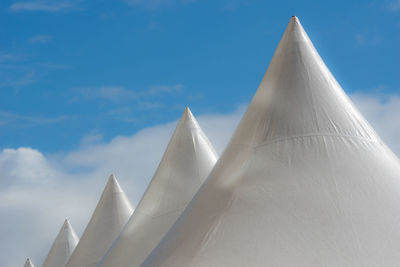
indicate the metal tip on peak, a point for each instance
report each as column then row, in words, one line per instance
column 294, row 18
column 187, row 112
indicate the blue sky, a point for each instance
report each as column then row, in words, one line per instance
column 74, row 68
column 90, row 88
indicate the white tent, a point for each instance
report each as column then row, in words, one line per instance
column 186, row 163
column 62, row 247
column 111, row 214
column 28, row 263
column 304, row 181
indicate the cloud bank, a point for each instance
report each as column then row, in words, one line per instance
column 38, row 191
column 44, row 6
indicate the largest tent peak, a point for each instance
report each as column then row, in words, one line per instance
column 299, row 96
column 305, row 181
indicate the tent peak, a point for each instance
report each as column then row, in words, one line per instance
column 67, row 225
column 187, row 112
column 28, row 263
column 186, row 162
column 113, row 185
column 295, row 25
column 188, row 120
column 110, row 215
column 62, row 246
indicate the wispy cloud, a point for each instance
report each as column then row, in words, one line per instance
column 13, row 119
column 157, row 4
column 161, row 89
column 368, row 39
column 112, row 93
column 17, row 71
column 19, row 78
column 40, row 39
column 7, row 57
column 45, row 6
column 232, row 5
column 394, row 6
column 91, row 139
column 14, row 72
column 119, row 94
column 115, row 93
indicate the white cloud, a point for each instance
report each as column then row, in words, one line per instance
column 46, row 6
column 38, row 191
column 383, row 113
column 40, row 39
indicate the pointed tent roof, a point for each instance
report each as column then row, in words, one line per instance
column 112, row 212
column 62, row 247
column 305, row 181
column 28, row 263
column 186, row 163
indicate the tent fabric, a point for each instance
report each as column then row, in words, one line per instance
column 111, row 214
column 28, row 263
column 62, row 247
column 304, row 181
column 186, row 163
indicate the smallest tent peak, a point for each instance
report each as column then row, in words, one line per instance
column 67, row 225
column 28, row 263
